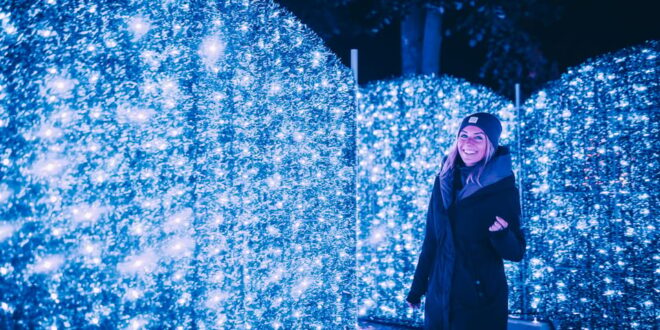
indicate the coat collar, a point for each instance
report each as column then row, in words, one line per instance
column 498, row 168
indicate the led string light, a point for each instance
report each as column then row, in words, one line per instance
column 591, row 174
column 163, row 168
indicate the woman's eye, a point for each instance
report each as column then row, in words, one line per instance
column 463, row 136
column 479, row 138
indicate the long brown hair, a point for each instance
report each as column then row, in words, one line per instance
column 451, row 160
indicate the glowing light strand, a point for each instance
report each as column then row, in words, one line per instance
column 159, row 172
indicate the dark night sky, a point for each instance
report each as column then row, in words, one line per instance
column 586, row 28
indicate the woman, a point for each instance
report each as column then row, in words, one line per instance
column 472, row 225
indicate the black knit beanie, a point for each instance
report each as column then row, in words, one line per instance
column 488, row 123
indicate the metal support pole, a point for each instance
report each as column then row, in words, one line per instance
column 354, row 64
column 518, row 127
column 356, row 91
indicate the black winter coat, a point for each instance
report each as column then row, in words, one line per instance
column 460, row 268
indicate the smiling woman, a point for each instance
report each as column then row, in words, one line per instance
column 472, row 226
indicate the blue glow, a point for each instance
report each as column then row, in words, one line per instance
column 170, row 164
column 591, row 170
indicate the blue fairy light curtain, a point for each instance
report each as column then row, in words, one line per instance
column 404, row 128
column 591, row 169
column 173, row 164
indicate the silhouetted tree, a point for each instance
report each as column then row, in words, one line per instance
column 503, row 30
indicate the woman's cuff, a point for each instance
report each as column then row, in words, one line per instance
column 414, row 298
column 499, row 233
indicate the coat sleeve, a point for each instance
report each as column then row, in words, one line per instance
column 427, row 256
column 510, row 242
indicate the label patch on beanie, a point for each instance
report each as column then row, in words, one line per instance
column 473, row 120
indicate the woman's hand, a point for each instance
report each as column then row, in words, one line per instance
column 498, row 225
column 413, row 306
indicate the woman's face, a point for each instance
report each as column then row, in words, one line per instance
column 471, row 145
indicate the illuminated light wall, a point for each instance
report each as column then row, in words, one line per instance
column 404, row 128
column 172, row 164
column 591, row 169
